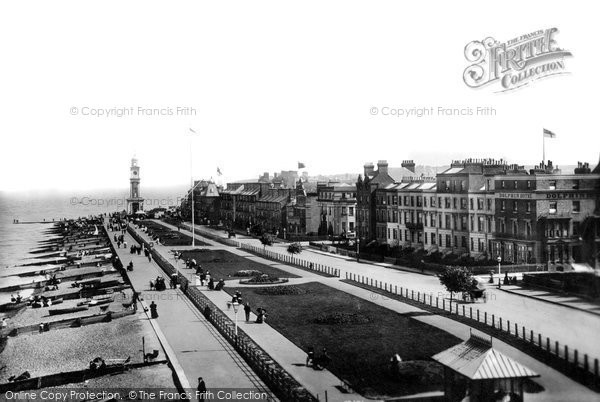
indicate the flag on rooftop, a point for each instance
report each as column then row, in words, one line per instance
column 192, row 131
column 301, row 165
column 549, row 134
column 219, row 171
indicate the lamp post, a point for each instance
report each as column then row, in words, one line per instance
column 357, row 249
column 284, row 230
column 499, row 261
column 236, row 307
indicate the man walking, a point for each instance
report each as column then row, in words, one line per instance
column 247, row 310
column 201, row 390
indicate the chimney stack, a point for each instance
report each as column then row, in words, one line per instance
column 382, row 166
column 369, row 168
column 409, row 164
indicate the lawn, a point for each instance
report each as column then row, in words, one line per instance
column 169, row 237
column 360, row 336
column 223, row 264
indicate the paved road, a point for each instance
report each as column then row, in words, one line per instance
column 557, row 386
column 577, row 329
column 199, row 348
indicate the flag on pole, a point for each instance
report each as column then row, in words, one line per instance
column 219, row 171
column 301, row 165
column 192, row 131
column 549, row 134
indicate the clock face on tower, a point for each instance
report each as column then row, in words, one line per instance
column 134, row 173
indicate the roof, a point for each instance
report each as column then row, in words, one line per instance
column 477, row 360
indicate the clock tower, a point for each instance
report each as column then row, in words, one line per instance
column 134, row 202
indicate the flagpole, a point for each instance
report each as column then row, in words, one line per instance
column 193, row 209
column 543, row 147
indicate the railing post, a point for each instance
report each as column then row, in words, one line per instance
column 556, row 348
column 396, row 289
column 493, row 321
column 531, row 336
column 485, row 317
column 477, row 315
column 463, row 308
column 471, row 312
column 500, row 323
column 548, row 344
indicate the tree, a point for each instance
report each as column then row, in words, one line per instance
column 294, row 248
column 456, row 279
column 266, row 240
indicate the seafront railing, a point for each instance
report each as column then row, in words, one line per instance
column 275, row 376
column 560, row 357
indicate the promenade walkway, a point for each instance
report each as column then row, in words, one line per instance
column 197, row 348
column 557, row 386
column 286, row 353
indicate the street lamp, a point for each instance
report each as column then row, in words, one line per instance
column 284, row 233
column 236, row 307
column 499, row 261
column 357, row 249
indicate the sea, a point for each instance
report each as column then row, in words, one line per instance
column 17, row 240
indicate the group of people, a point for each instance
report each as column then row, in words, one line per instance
column 158, row 284
column 136, row 249
column 317, row 362
column 17, row 299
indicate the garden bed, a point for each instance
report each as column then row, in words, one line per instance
column 224, row 264
column 360, row 336
column 167, row 236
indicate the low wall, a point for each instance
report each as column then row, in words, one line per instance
column 582, row 284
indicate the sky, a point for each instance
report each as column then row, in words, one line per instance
column 266, row 84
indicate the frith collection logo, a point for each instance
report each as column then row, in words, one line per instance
column 514, row 63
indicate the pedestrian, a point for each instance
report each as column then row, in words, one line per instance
column 247, row 310
column 149, row 257
column 201, row 390
column 153, row 311
column 310, row 356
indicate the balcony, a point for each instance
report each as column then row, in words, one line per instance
column 414, row 226
column 511, row 236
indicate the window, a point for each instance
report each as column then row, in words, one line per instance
column 424, row 202
column 515, row 184
column 471, row 204
column 528, row 206
column 454, row 203
column 463, row 185
column 419, row 201
column 515, row 228
column 552, row 185
column 399, row 235
column 503, row 205
column 502, row 184
column 463, row 203
column 448, row 241
column 433, row 238
column 480, row 224
column 463, row 223
column 552, row 209
column 489, row 204
column 412, row 200
column 351, row 225
column 528, row 184
column 480, row 204
column 576, row 206
column 472, row 223
column 395, row 234
column 432, row 201
column 528, row 229
column 463, row 241
column 448, row 221
column 447, row 202
column 488, row 185
column 515, row 206
column 388, row 236
column 472, row 244
column 351, row 211
column 425, row 237
column 576, row 185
